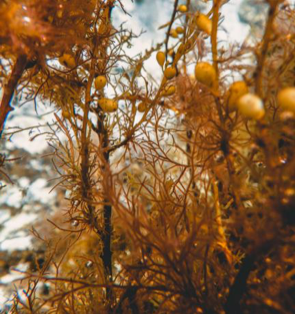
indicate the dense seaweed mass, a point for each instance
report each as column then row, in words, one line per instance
column 147, row 156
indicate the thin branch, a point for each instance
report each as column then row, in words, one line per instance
column 170, row 25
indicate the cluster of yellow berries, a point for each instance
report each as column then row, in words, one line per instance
column 239, row 98
column 202, row 21
column 205, row 73
column 169, row 73
column 248, row 104
column 176, row 31
column 106, row 104
column 251, row 106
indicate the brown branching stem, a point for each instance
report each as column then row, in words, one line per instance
column 239, row 286
column 215, row 18
column 215, row 10
column 170, row 26
column 106, row 234
column 10, row 87
column 262, row 54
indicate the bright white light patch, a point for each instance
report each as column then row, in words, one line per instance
column 26, row 19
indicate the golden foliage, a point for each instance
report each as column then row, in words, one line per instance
column 176, row 201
